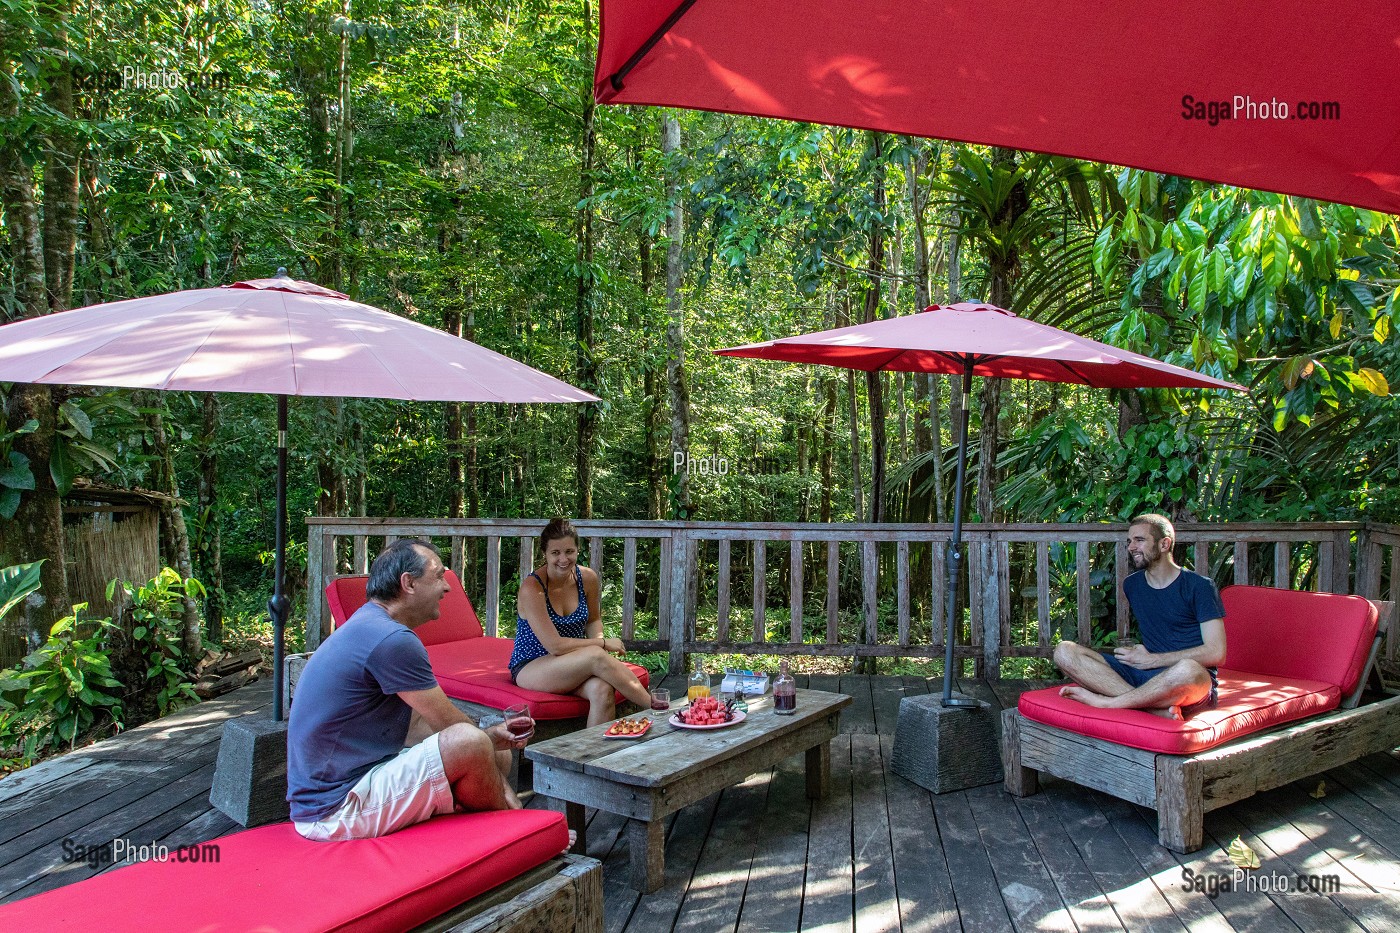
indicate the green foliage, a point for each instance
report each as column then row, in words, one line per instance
column 66, row 687
column 16, row 477
column 154, row 612
column 16, row 583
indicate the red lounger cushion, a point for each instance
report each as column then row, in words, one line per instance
column 1292, row 634
column 1248, row 703
column 270, row 879
column 475, row 670
column 457, row 618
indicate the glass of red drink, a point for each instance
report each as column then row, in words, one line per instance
column 660, row 703
column 519, row 722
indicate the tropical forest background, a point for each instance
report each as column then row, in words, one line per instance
column 445, row 161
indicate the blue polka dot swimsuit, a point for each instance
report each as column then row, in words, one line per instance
column 573, row 625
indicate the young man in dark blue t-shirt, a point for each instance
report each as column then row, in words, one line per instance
column 373, row 743
column 1182, row 623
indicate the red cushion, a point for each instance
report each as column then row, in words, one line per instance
column 272, row 879
column 476, row 671
column 1292, row 634
column 456, row 620
column 1248, row 703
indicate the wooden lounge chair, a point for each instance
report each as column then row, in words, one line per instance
column 1295, row 670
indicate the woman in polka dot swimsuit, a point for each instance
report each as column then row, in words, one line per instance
column 559, row 643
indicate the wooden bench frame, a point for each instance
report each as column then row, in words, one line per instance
column 563, row 895
column 1184, row 788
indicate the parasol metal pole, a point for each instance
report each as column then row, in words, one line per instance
column 955, row 547
column 277, row 606
column 617, row 78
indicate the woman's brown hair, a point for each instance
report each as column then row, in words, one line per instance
column 556, row 529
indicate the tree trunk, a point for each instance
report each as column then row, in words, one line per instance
column 857, row 483
column 828, row 443
column 1002, row 268
column 586, row 365
column 456, row 469
column 675, row 322
column 651, row 384
column 175, row 534
column 63, row 153
column 209, row 539
column 874, row 380
column 36, row 531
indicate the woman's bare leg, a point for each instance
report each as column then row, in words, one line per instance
column 566, row 673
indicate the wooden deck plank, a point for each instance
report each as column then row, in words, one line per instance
column 876, row 903
column 1087, row 905
column 885, row 695
column 1241, row 910
column 1027, row 890
column 44, row 773
column 1307, row 913
column 716, row 892
column 828, row 886
column 657, row 911
column 1284, row 835
column 1135, row 898
column 55, row 811
column 860, row 716
column 922, row 883
column 979, row 900
column 34, row 861
column 1359, row 854
column 773, row 894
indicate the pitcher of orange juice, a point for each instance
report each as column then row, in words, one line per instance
column 699, row 683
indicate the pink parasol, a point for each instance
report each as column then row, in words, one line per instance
column 976, row 339
column 277, row 336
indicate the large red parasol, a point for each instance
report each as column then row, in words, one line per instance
column 1299, row 98
column 278, row 336
column 984, row 340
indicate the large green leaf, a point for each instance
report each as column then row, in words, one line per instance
column 16, row 583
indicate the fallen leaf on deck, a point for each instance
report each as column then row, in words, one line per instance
column 1320, row 792
column 1242, row 855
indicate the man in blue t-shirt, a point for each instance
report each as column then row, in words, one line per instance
column 373, row 744
column 1182, row 623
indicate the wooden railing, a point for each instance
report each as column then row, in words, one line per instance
column 858, row 590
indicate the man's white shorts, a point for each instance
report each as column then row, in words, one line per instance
column 397, row 793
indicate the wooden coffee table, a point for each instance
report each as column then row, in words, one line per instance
column 669, row 768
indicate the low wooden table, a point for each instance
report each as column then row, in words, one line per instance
column 649, row 778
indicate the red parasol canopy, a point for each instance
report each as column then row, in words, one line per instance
column 1315, row 85
column 995, row 341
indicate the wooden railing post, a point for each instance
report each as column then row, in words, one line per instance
column 316, row 608
column 678, row 586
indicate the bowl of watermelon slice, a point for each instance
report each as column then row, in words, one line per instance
column 706, row 713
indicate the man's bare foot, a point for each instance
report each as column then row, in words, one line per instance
column 1085, row 696
column 1167, row 712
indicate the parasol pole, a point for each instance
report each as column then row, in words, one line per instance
column 277, row 607
column 955, row 547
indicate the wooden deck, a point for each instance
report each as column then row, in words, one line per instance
column 878, row 854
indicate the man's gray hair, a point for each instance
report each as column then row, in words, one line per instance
column 404, row 556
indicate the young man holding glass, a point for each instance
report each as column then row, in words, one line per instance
column 1182, row 623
